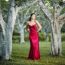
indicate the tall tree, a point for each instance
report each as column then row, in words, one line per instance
column 56, row 20
column 9, row 28
column 12, row 13
column 2, row 33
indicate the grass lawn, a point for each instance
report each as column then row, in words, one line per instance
column 20, row 53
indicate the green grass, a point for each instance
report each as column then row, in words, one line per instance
column 20, row 54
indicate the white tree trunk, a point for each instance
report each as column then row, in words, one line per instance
column 56, row 47
column 60, row 43
column 55, row 40
column 9, row 29
column 22, row 34
column 1, row 41
column 56, row 33
column 2, row 34
column 21, row 30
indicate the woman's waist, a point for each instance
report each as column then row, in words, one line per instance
column 33, row 33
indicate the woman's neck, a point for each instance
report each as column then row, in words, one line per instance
column 33, row 20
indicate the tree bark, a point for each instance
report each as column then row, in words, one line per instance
column 22, row 34
column 56, row 46
column 9, row 29
column 45, row 10
column 2, row 35
column 21, row 29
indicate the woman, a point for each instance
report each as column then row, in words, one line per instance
column 33, row 27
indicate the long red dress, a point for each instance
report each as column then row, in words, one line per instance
column 34, row 53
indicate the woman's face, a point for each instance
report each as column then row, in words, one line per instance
column 33, row 16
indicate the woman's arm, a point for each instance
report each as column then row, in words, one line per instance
column 39, row 25
column 27, row 27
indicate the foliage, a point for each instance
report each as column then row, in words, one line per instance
column 63, row 28
column 34, row 8
column 42, row 37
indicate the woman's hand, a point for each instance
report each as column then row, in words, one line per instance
column 27, row 27
column 39, row 26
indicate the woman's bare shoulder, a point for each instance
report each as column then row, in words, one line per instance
column 27, row 22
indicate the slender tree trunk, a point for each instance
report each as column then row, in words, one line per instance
column 2, row 34
column 60, row 43
column 1, row 41
column 21, row 28
column 22, row 34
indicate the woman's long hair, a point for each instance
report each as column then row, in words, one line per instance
column 31, row 16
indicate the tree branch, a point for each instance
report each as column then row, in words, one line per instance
column 61, row 17
column 45, row 10
column 25, row 6
column 59, row 9
column 2, row 23
column 61, row 22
